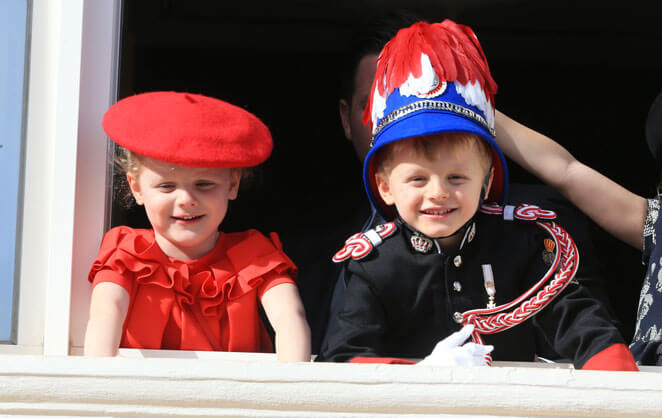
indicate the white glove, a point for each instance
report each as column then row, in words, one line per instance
column 451, row 352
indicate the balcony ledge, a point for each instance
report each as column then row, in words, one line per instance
column 232, row 384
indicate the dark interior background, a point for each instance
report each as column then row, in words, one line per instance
column 583, row 73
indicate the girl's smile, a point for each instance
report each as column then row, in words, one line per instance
column 187, row 219
column 185, row 205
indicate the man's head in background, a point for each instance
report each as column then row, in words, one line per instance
column 359, row 71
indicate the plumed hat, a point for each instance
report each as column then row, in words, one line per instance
column 432, row 78
column 654, row 128
column 188, row 129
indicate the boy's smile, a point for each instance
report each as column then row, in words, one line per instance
column 185, row 205
column 435, row 194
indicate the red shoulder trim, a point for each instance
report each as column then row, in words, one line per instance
column 523, row 212
column 360, row 245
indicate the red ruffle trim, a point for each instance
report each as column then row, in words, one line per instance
column 134, row 253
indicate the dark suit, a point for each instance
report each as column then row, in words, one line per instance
column 400, row 303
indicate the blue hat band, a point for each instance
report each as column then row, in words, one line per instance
column 431, row 105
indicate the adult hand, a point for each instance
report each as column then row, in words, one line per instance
column 451, row 352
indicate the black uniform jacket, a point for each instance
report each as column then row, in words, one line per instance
column 400, row 302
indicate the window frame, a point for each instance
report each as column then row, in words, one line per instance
column 72, row 82
column 73, row 76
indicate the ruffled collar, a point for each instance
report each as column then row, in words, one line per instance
column 235, row 266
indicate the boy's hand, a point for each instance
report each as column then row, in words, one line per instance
column 451, row 352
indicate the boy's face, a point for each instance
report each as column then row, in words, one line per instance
column 437, row 195
column 185, row 205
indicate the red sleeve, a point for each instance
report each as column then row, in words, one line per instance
column 116, row 261
column 129, row 255
column 110, row 276
column 615, row 357
column 380, row 360
column 272, row 280
column 258, row 258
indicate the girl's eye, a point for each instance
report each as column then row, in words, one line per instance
column 417, row 180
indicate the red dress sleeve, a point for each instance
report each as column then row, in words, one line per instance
column 260, row 258
column 121, row 257
column 132, row 259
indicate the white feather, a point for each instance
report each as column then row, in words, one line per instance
column 474, row 95
column 428, row 80
column 378, row 107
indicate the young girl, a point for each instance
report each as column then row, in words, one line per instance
column 629, row 217
column 184, row 284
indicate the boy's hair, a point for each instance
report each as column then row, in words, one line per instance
column 427, row 146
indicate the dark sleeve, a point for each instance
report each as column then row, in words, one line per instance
column 650, row 239
column 359, row 326
column 575, row 323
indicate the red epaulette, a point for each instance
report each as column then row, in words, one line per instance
column 523, row 212
column 360, row 245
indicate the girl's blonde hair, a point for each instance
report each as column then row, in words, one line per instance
column 126, row 161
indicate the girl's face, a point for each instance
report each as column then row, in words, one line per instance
column 185, row 205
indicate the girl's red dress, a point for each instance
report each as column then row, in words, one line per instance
column 169, row 297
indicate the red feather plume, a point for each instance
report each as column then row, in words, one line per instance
column 454, row 52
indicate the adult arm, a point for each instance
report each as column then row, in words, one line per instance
column 108, row 308
column 614, row 208
column 286, row 315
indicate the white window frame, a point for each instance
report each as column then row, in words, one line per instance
column 72, row 77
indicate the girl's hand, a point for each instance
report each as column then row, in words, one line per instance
column 108, row 308
column 286, row 315
column 452, row 352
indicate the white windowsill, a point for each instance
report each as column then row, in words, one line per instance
column 76, row 386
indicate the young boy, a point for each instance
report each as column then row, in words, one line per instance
column 432, row 163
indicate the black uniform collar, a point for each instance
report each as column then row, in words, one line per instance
column 468, row 229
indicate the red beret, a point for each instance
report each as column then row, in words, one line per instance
column 188, row 129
